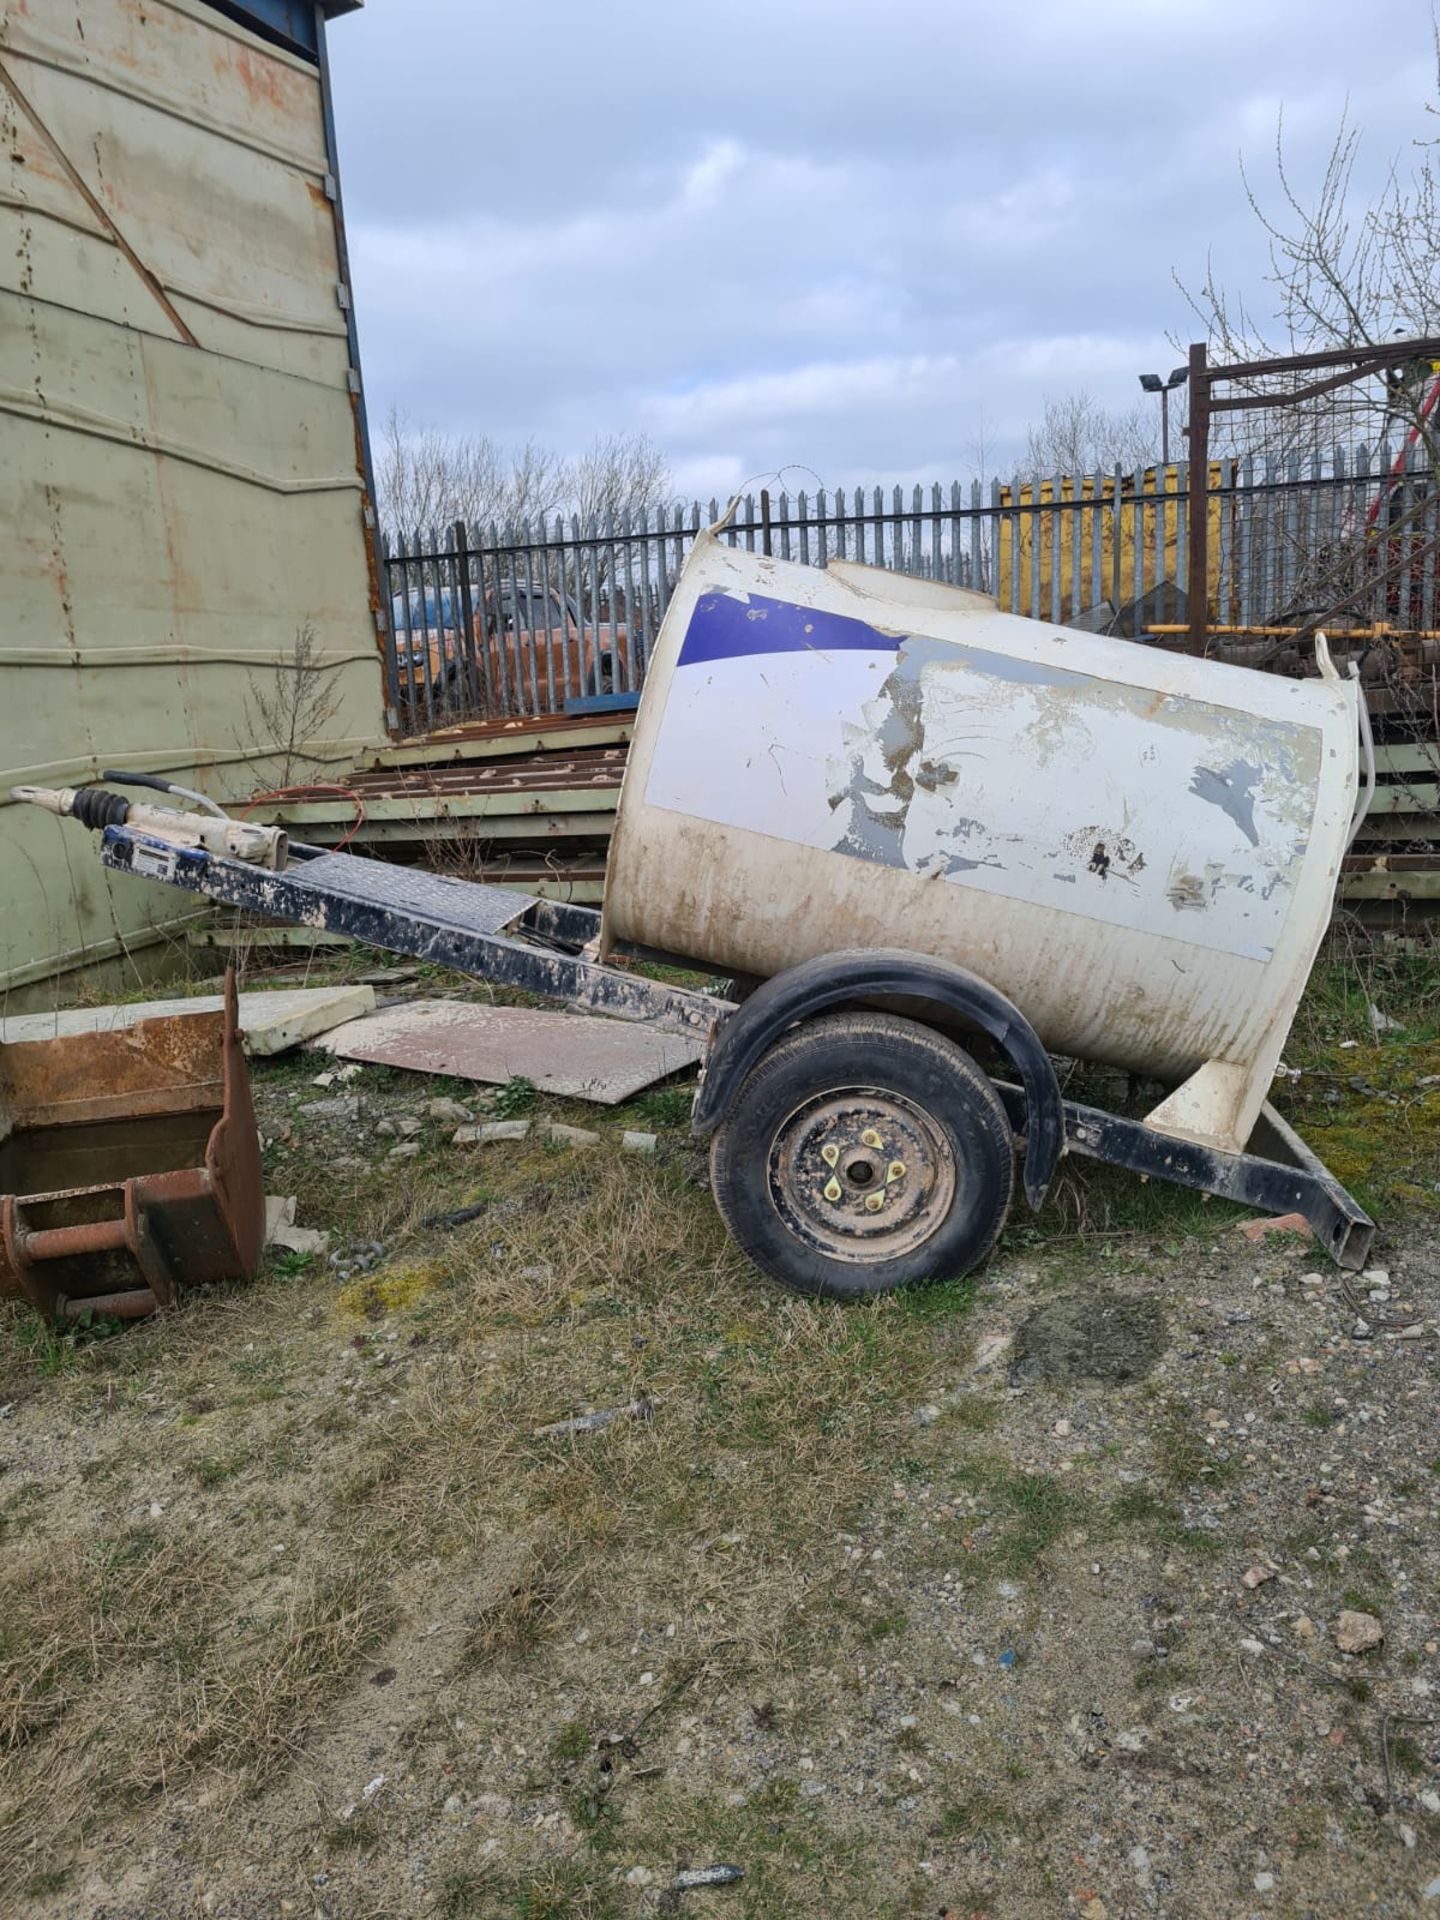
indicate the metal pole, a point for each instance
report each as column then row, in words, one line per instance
column 1164, row 426
column 1198, row 501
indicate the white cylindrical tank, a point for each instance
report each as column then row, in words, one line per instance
column 1138, row 847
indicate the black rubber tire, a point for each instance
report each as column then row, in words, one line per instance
column 851, row 1055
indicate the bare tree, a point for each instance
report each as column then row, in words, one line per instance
column 295, row 707
column 619, row 473
column 1341, row 274
column 431, row 479
column 427, row 479
column 1346, row 270
column 1076, row 434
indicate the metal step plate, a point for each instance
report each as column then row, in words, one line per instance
column 463, row 905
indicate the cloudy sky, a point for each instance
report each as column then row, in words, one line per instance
column 861, row 237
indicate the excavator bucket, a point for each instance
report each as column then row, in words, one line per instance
column 129, row 1166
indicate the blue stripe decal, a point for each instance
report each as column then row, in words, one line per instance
column 725, row 628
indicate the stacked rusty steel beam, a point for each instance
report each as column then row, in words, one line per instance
column 1392, row 873
column 526, row 803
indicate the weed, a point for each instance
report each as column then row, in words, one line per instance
column 524, row 1612
column 976, row 1816
column 1138, row 1506
column 291, row 1265
column 460, row 1892
column 49, row 1880
column 1182, row 1457
column 42, row 1349
column 1153, row 1673
column 1028, row 1512
column 516, row 1097
column 973, row 1414
column 573, row 1742
column 667, row 1106
column 1407, row 1754
column 356, row 1835
column 214, row 1470
column 1359, row 1601
column 564, row 1890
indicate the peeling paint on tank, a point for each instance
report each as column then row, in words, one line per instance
column 1233, row 791
column 1186, row 892
column 956, row 762
column 1003, row 667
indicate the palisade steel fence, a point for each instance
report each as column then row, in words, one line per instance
column 491, row 623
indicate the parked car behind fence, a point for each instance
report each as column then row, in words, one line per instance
column 522, row 650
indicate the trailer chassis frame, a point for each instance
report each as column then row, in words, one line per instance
column 550, row 948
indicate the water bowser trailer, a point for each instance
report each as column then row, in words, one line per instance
column 925, row 849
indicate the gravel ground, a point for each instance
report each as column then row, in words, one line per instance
column 1020, row 1599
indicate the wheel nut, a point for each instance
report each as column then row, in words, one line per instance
column 869, row 1138
column 830, row 1154
column 832, row 1190
column 874, row 1202
column 895, row 1171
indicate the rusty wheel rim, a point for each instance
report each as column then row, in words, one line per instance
column 861, row 1174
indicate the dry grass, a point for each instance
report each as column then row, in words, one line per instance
column 77, row 1613
column 150, row 1657
column 139, row 1659
column 383, row 1434
column 127, row 1664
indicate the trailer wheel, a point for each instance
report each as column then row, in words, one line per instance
column 864, row 1152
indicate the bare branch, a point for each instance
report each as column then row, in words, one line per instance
column 1076, row 434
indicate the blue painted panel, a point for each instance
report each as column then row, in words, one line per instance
column 724, row 628
column 293, row 23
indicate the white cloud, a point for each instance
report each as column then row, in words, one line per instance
column 808, row 240
column 708, row 476
column 703, row 184
column 821, row 388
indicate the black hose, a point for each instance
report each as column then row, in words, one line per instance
column 150, row 780
column 94, row 807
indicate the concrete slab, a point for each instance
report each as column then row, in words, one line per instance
column 571, row 1054
column 272, row 1022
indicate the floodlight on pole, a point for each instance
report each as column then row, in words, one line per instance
column 1152, row 383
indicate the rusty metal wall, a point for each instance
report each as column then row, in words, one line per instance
column 181, row 460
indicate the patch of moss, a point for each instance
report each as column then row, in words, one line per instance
column 392, row 1291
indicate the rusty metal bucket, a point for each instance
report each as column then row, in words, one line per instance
column 129, row 1165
